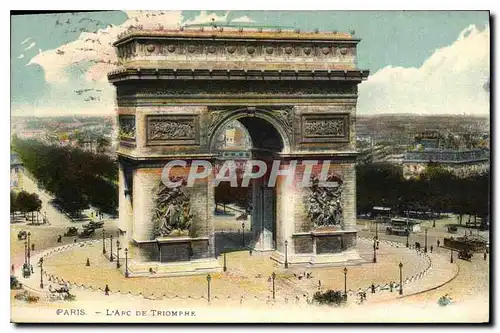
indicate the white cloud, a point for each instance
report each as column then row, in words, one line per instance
column 451, row 81
column 20, row 56
column 205, row 17
column 242, row 19
column 93, row 55
column 30, row 46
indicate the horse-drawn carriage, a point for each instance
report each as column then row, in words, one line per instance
column 87, row 232
column 22, row 235
column 94, row 225
column 465, row 255
column 26, row 270
column 60, row 294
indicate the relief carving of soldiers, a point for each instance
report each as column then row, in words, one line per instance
column 323, row 204
column 172, row 215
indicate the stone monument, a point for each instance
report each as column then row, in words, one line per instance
column 295, row 92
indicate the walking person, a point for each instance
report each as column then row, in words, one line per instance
column 432, row 248
column 438, row 242
column 106, row 290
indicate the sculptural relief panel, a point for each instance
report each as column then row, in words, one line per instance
column 126, row 128
column 325, row 127
column 172, row 130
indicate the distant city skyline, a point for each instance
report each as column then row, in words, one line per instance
column 420, row 62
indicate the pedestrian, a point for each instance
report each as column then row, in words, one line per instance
column 438, row 242
column 32, row 246
column 485, row 255
column 12, row 267
column 373, row 288
column 106, row 290
column 59, row 238
column 32, row 269
column 432, row 248
column 391, row 285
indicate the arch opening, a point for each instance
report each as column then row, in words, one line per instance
column 251, row 209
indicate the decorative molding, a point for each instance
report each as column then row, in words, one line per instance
column 215, row 118
column 285, row 118
column 324, row 127
column 244, row 88
column 284, row 49
column 172, row 130
column 126, row 128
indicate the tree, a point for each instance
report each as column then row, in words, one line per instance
column 14, row 206
column 101, row 144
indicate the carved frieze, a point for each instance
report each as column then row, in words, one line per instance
column 126, row 128
column 324, row 203
column 322, row 127
column 172, row 130
column 241, row 88
column 248, row 48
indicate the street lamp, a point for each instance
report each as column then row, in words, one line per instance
column 273, row 276
column 401, row 278
column 286, row 254
column 126, row 262
column 29, row 250
column 25, row 252
column 41, row 273
column 103, row 244
column 425, row 247
column 374, row 250
column 111, row 247
column 407, row 229
column 208, row 286
column 225, row 266
column 243, row 234
column 118, row 248
column 345, row 283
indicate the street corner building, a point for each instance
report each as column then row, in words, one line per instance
column 295, row 92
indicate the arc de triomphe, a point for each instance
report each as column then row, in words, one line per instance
column 295, row 92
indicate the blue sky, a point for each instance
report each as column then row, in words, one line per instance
column 392, row 43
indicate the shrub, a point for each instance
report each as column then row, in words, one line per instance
column 329, row 297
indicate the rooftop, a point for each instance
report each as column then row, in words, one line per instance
column 235, row 32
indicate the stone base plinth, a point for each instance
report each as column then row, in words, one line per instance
column 193, row 267
column 172, row 256
column 327, row 247
column 346, row 258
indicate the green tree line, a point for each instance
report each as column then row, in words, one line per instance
column 436, row 190
column 24, row 203
column 76, row 178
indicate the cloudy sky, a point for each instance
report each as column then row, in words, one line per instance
column 420, row 62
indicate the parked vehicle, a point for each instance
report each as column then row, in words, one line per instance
column 72, row 231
